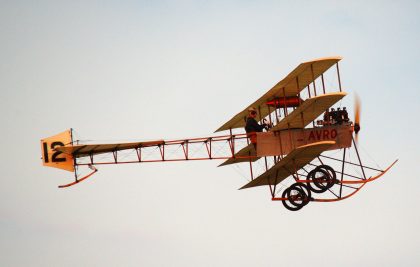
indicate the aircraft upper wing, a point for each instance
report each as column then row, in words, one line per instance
column 302, row 73
column 92, row 149
column 295, row 160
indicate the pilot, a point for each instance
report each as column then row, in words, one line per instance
column 252, row 126
column 327, row 120
column 345, row 115
column 333, row 114
column 339, row 117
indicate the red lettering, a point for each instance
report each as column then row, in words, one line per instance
column 318, row 134
column 326, row 134
column 333, row 134
column 322, row 134
column 311, row 135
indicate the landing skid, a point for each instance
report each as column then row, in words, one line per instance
column 300, row 195
column 81, row 179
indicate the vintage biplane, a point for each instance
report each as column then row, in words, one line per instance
column 308, row 154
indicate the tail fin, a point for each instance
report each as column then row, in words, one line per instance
column 57, row 159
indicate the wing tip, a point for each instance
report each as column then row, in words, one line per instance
column 245, row 186
column 335, row 58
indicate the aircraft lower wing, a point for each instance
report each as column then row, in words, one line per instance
column 239, row 156
column 311, row 109
column 294, row 161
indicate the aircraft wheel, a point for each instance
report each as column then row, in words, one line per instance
column 320, row 180
column 306, row 190
column 331, row 171
column 312, row 185
column 296, row 196
column 286, row 203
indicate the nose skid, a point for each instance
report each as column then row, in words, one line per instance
column 286, row 196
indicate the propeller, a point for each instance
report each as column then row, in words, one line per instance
column 357, row 108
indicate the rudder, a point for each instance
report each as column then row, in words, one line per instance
column 57, row 159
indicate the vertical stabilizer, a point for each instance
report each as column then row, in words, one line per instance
column 57, row 159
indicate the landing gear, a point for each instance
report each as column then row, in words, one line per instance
column 330, row 171
column 321, row 179
column 296, row 196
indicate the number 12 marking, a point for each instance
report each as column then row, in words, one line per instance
column 55, row 155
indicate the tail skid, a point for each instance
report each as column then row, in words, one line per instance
column 94, row 170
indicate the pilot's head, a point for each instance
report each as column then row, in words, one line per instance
column 252, row 112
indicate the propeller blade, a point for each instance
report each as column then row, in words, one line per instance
column 357, row 110
column 357, row 107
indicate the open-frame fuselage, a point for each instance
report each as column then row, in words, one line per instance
column 291, row 148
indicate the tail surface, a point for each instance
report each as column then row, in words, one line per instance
column 57, row 159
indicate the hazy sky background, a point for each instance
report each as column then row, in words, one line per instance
column 168, row 69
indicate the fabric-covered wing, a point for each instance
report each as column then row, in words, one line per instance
column 303, row 75
column 295, row 160
column 244, row 152
column 309, row 111
column 93, row 149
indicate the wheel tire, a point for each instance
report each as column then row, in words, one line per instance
column 311, row 185
column 324, row 182
column 285, row 204
column 296, row 196
column 306, row 190
column 331, row 171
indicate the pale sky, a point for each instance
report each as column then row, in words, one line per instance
column 146, row 70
